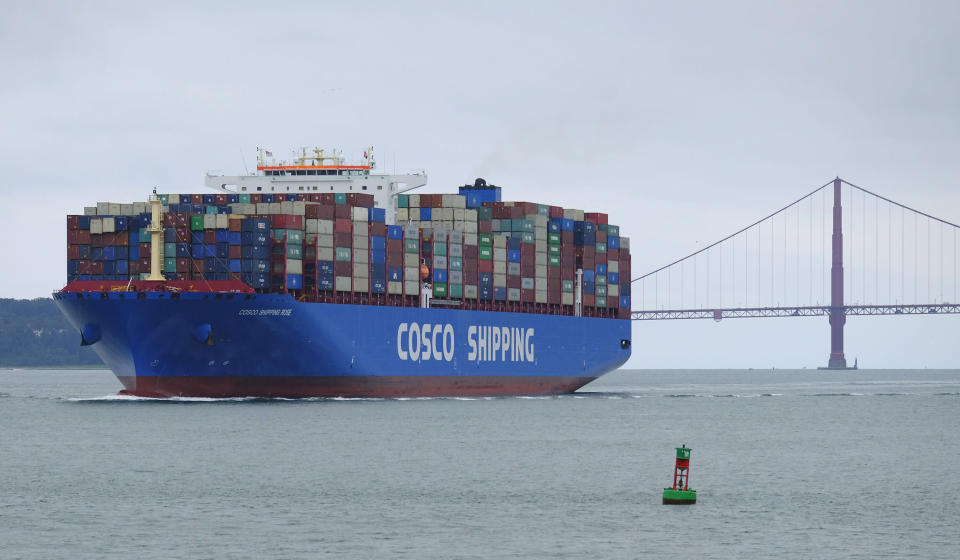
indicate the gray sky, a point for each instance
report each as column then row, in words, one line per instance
column 684, row 122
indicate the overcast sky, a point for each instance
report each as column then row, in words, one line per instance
column 683, row 121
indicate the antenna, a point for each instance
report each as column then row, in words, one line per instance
column 244, row 160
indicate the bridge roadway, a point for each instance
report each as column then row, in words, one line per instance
column 809, row 311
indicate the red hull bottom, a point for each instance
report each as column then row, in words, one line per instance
column 371, row 386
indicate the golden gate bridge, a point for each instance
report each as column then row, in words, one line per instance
column 795, row 262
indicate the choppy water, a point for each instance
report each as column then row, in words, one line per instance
column 787, row 464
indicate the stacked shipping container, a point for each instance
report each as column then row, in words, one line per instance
column 473, row 250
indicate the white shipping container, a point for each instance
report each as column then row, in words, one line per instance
column 361, row 242
column 324, row 253
column 455, row 250
column 411, row 233
column 541, row 245
column 573, row 214
column 275, row 208
column 263, row 208
column 513, row 294
column 223, row 221
column 209, row 221
column 89, row 210
column 458, row 214
column 613, row 290
column 499, row 280
column 403, row 215
column 324, row 240
column 541, row 296
column 613, row 266
column 109, row 225
column 342, row 283
column 455, row 277
column 299, row 208
column 541, row 284
column 294, row 266
column 395, row 288
column 538, row 220
column 103, row 208
column 447, row 214
column 411, row 274
column 513, row 269
column 115, row 208
column 411, row 288
column 499, row 267
column 311, row 225
column 140, row 207
column 358, row 214
column 566, row 298
column 126, row 209
column 500, row 241
column 361, row 257
column 470, row 215
column 455, row 237
column 414, row 200
column 470, row 227
column 96, row 226
column 541, row 271
column 499, row 253
column 625, row 243
column 469, row 238
column 361, row 270
column 286, row 207
column 526, row 283
column 541, row 259
column 411, row 260
column 325, row 227
column 454, row 201
column 469, row 291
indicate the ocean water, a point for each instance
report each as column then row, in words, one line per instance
column 787, row 464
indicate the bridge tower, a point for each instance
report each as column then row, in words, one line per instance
column 837, row 314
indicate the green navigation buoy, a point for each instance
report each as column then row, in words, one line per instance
column 680, row 492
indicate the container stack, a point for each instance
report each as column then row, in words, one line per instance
column 476, row 249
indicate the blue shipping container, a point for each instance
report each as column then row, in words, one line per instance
column 424, row 214
column 395, row 232
column 294, row 281
column 440, row 276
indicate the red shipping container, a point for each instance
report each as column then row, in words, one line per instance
column 341, row 211
column 394, row 245
column 145, row 263
column 221, row 199
column 566, row 237
column 196, row 199
column 328, row 198
column 169, row 220
column 256, row 198
column 134, row 267
column 287, row 221
column 513, row 281
column 73, row 222
column 528, row 270
column 613, row 254
column 597, row 218
column 83, row 236
column 342, row 225
column 351, row 199
column 589, row 300
column 96, row 267
column 485, row 226
column 72, row 235
column 485, row 267
column 365, row 200
column 342, row 239
column 235, row 224
column 109, row 239
column 210, row 236
column 183, row 235
column 556, row 212
column 326, row 212
column 302, row 197
column 183, row 265
column 235, row 252
column 73, row 252
column 528, row 296
column 378, row 228
column 470, row 252
column 312, row 211
column 601, row 237
column 553, row 272
column 342, row 268
column 395, row 260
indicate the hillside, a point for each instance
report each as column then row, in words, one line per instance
column 33, row 333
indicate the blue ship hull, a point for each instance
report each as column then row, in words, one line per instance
column 270, row 345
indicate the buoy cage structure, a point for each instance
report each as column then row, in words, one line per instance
column 680, row 492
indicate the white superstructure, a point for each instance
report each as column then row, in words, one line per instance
column 317, row 173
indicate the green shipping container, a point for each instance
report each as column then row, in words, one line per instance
column 244, row 198
column 196, row 223
column 527, row 237
column 456, row 291
column 403, row 201
column 554, row 239
column 439, row 290
column 553, row 250
column 440, row 249
column 601, row 281
column 543, row 210
column 485, row 253
column 601, row 247
column 456, row 263
column 294, row 251
column 601, row 301
column 165, row 199
column 526, row 225
column 144, row 236
column 484, row 214
column 343, row 254
column 411, row 246
column 566, row 286
column 211, row 210
column 170, row 250
column 340, row 198
column 485, row 240
column 553, row 260
column 170, row 264
column 613, row 230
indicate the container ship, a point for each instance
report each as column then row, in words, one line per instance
column 314, row 278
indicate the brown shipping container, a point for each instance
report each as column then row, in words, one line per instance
column 73, row 222
column 235, row 224
column 342, row 239
column 342, row 225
